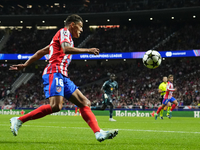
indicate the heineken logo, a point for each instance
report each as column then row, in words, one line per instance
column 12, row 112
column 134, row 114
column 64, row 113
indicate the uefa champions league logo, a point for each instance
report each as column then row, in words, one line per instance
column 168, row 54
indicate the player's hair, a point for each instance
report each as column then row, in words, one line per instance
column 73, row 18
column 170, row 76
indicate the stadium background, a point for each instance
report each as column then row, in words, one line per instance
column 114, row 26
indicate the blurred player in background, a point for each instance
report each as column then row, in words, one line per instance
column 77, row 110
column 107, row 89
column 168, row 97
column 56, row 83
column 162, row 90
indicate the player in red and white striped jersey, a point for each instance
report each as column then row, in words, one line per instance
column 56, row 83
column 58, row 60
column 168, row 98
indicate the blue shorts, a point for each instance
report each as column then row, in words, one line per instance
column 56, row 84
column 165, row 101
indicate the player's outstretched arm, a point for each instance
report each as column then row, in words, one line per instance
column 67, row 49
column 39, row 54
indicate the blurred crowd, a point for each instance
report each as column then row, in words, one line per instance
column 130, row 39
column 93, row 6
column 185, row 38
column 6, row 78
column 124, row 39
column 31, row 95
column 30, row 40
column 138, row 86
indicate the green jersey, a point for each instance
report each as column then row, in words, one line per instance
column 109, row 86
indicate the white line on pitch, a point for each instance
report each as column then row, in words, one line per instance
column 134, row 130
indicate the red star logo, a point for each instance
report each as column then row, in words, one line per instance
column 152, row 114
column 22, row 112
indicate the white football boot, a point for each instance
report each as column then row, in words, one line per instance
column 111, row 119
column 15, row 125
column 103, row 135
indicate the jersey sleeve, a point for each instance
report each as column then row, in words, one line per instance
column 104, row 85
column 64, row 36
column 169, row 88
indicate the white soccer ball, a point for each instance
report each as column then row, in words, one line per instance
column 152, row 59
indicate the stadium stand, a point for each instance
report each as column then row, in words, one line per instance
column 97, row 6
column 123, row 39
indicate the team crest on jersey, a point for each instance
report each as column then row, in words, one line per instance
column 65, row 33
column 58, row 89
column 111, row 89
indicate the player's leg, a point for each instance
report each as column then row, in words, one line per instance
column 164, row 103
column 55, row 106
column 79, row 111
column 175, row 103
column 158, row 110
column 55, row 96
column 161, row 112
column 111, row 110
column 84, row 104
column 75, row 111
column 168, row 110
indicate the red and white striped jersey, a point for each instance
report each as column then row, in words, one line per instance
column 58, row 60
column 170, row 90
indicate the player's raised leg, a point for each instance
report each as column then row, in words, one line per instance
column 175, row 103
column 84, row 104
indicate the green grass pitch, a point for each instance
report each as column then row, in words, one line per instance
column 72, row 133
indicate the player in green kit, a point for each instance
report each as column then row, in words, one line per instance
column 108, row 89
column 162, row 90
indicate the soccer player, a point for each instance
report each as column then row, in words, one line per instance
column 76, row 111
column 57, row 85
column 168, row 97
column 162, row 90
column 107, row 89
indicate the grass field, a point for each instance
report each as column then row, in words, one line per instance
column 69, row 132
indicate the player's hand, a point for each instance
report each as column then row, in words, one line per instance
column 17, row 67
column 94, row 51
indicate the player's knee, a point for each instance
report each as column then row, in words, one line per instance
column 56, row 107
column 87, row 103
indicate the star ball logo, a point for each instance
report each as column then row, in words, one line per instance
column 19, row 56
column 168, row 54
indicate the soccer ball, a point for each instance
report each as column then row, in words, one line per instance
column 152, row 59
